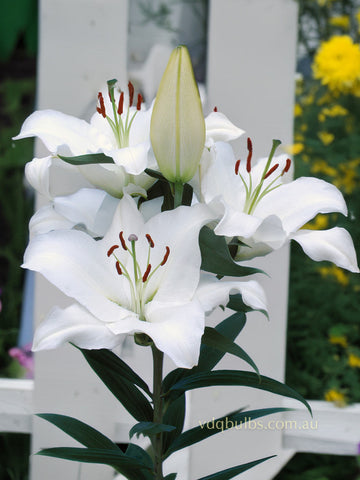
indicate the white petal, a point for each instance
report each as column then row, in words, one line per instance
column 73, row 324
column 334, row 245
column 75, row 264
column 37, row 173
column 109, row 177
column 88, row 207
column 213, row 292
column 57, row 130
column 219, row 128
column 47, row 219
column 297, row 202
column 237, row 223
column 133, row 158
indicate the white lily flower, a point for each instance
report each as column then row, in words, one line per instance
column 120, row 131
column 257, row 204
column 141, row 277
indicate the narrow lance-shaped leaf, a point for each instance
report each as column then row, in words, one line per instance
column 213, row 338
column 229, row 421
column 236, row 378
column 233, row 471
column 149, row 428
column 80, row 431
column 91, row 158
column 216, row 257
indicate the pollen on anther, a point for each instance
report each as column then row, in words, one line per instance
column 215, row 109
column 272, row 170
column 287, row 166
column 237, row 166
column 166, row 256
column 139, row 102
column 121, row 104
column 101, row 110
column 150, row 240
column 146, row 274
column 111, row 250
column 131, row 93
column 122, row 240
column 118, row 268
column 250, row 149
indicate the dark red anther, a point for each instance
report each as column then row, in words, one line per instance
column 111, row 250
column 121, row 104
column 118, row 268
column 237, row 166
column 250, row 149
column 272, row 170
column 122, row 240
column 287, row 166
column 150, row 240
column 101, row 110
column 139, row 102
column 215, row 109
column 131, row 93
column 166, row 256
column 146, row 274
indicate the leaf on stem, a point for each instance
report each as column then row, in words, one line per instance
column 91, row 158
column 233, row 471
column 149, row 429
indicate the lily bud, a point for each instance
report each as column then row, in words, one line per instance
column 177, row 128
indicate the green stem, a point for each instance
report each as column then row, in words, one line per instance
column 178, row 194
column 158, row 358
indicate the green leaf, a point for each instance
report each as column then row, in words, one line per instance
column 138, row 453
column 123, row 463
column 171, row 476
column 239, row 378
column 149, row 428
column 80, row 431
column 174, row 415
column 112, row 362
column 233, row 471
column 155, row 174
column 207, row 429
column 87, row 159
column 216, row 257
column 126, row 392
column 236, row 303
column 213, row 338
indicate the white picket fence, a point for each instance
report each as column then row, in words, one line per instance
column 250, row 72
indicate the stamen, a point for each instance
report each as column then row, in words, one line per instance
column 139, row 101
column 250, row 149
column 101, row 110
column 131, row 93
column 287, row 166
column 121, row 104
column 166, row 256
column 215, row 109
column 146, row 274
column 150, row 240
column 121, row 237
column 118, row 268
column 272, row 170
column 133, row 238
column 237, row 166
column 111, row 250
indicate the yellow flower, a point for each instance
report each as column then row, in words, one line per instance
column 337, row 64
column 354, row 360
column 333, row 111
column 320, row 166
column 319, row 223
column 342, row 278
column 347, row 178
column 338, row 340
column 326, row 137
column 298, row 110
column 294, row 149
column 335, row 396
column 342, row 21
